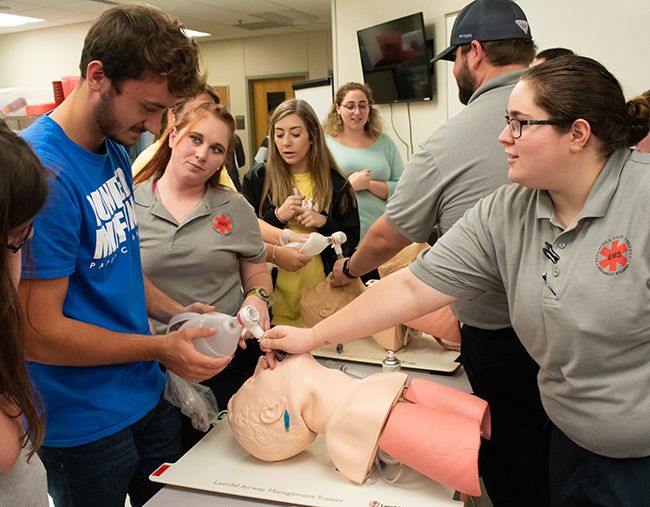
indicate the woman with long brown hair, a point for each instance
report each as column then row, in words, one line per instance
column 300, row 169
column 23, row 190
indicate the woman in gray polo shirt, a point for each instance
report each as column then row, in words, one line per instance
column 199, row 240
column 568, row 246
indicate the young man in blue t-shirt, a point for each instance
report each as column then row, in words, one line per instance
column 91, row 353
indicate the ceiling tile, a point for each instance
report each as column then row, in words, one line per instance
column 221, row 16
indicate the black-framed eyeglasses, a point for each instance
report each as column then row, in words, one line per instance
column 516, row 126
column 15, row 247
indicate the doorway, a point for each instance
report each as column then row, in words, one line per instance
column 266, row 95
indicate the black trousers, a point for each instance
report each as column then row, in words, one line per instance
column 580, row 478
column 514, row 462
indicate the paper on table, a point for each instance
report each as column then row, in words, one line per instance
column 217, row 463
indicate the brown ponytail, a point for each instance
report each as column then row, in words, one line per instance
column 637, row 114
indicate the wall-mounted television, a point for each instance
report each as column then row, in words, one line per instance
column 395, row 60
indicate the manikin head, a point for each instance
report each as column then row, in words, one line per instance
column 323, row 300
column 266, row 414
column 277, row 413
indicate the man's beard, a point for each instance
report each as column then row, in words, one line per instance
column 108, row 122
column 466, row 84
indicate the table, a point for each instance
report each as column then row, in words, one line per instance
column 171, row 496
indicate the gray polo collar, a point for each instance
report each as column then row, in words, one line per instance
column 497, row 82
column 601, row 193
column 213, row 198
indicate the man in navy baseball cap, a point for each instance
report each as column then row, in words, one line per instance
column 486, row 20
column 461, row 162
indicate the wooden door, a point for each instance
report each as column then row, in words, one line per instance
column 266, row 94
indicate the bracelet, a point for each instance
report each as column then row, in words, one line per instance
column 275, row 247
column 346, row 269
column 275, row 212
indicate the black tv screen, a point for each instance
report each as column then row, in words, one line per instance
column 395, row 60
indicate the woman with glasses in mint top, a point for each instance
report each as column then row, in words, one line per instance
column 568, row 245
column 364, row 154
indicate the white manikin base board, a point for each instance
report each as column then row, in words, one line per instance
column 422, row 353
column 217, row 463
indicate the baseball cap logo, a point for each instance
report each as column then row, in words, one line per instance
column 523, row 24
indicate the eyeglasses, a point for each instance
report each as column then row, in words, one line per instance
column 15, row 247
column 517, row 125
column 351, row 106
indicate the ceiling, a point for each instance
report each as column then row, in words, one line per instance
column 224, row 19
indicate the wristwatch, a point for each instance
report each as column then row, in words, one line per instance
column 346, row 269
column 261, row 293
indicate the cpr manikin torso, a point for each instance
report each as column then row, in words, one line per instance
column 277, row 413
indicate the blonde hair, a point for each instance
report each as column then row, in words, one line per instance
column 278, row 181
column 334, row 125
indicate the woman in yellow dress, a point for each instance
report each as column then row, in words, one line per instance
column 300, row 188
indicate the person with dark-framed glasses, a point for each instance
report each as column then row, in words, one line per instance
column 23, row 190
column 516, row 125
column 23, row 236
column 566, row 245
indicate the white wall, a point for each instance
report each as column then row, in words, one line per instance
column 614, row 33
column 34, row 59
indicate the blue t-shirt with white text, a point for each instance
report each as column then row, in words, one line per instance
column 87, row 232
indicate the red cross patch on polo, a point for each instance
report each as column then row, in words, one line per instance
column 222, row 223
column 613, row 256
